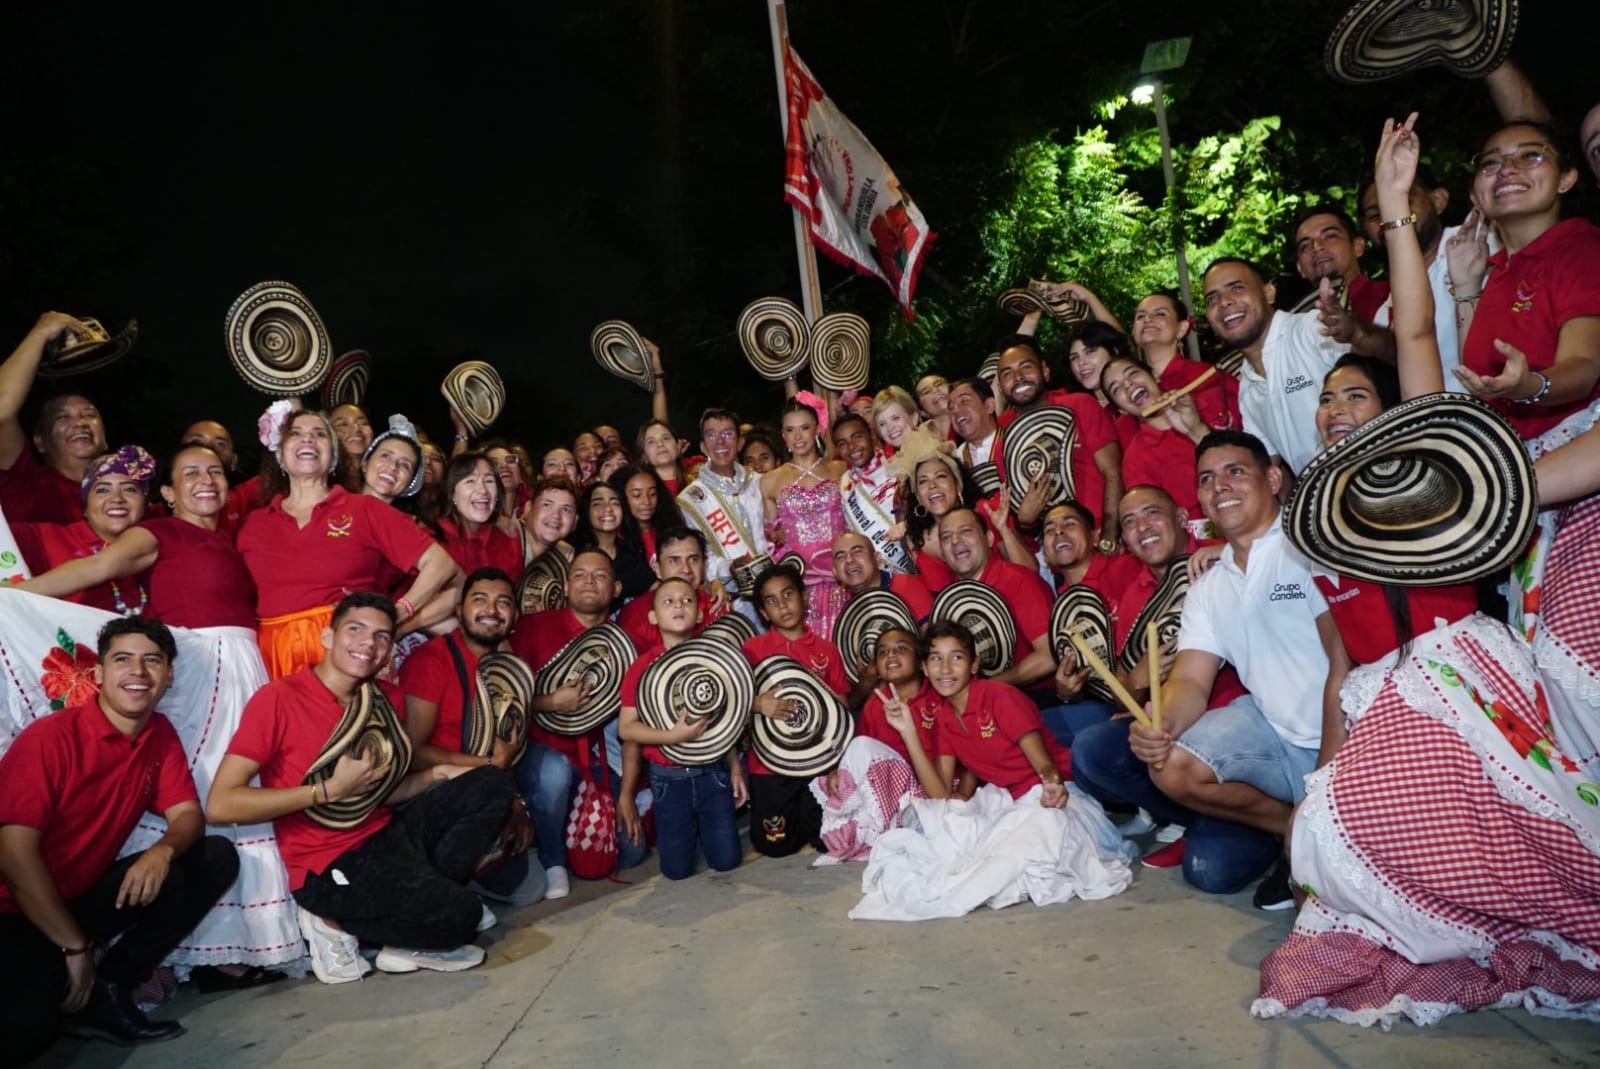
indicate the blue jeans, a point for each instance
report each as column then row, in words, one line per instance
column 1239, row 745
column 694, row 808
column 1066, row 721
column 545, row 778
column 1221, row 857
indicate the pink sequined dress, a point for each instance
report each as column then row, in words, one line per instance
column 809, row 519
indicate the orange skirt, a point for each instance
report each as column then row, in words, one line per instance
column 294, row 640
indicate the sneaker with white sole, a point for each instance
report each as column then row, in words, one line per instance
column 404, row 959
column 556, row 883
column 1137, row 824
column 1170, row 833
column 335, row 955
column 487, row 920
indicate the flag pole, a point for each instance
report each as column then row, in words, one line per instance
column 810, row 285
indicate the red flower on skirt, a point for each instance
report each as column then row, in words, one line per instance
column 68, row 673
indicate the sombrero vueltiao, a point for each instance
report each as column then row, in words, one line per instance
column 277, row 341
column 983, row 612
column 986, row 477
column 1165, row 607
column 501, row 703
column 1080, row 609
column 475, row 391
column 369, row 725
column 74, row 353
column 1021, row 302
column 621, row 350
column 544, row 583
column 1038, row 445
column 701, row 679
column 731, row 628
column 811, row 740
column 346, row 384
column 746, row 572
column 1379, row 39
column 1063, row 306
column 841, row 344
column 1433, row 491
column 775, row 337
column 990, row 367
column 596, row 660
column 862, row 620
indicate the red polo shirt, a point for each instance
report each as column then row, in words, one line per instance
column 490, row 547
column 33, row 492
column 630, row 699
column 46, row 545
column 1125, row 610
column 819, row 656
column 1026, row 595
column 924, row 707
column 83, row 784
column 537, row 639
column 1217, row 401
column 1094, row 431
column 242, row 500
column 984, row 738
column 1526, row 301
column 1107, row 576
column 635, row 618
column 283, row 730
column 340, row 550
column 1361, row 611
column 430, row 674
column 199, row 580
column 1162, row 458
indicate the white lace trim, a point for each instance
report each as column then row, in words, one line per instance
column 1564, row 671
column 1536, row 1000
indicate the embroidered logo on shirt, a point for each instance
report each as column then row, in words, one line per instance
column 1523, row 301
column 1286, row 592
column 339, row 526
column 776, row 829
column 986, row 726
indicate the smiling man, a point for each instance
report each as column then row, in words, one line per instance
column 1326, row 245
column 971, row 406
column 724, row 501
column 868, row 489
column 855, row 567
column 964, row 540
column 72, row 787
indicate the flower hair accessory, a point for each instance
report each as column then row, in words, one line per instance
column 269, row 428
column 130, row 462
column 817, row 405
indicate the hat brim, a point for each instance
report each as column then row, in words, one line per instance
column 347, row 383
column 812, row 740
column 539, row 591
column 1379, row 39
column 621, row 350
column 731, row 628
column 276, row 340
column 79, row 358
column 746, row 572
column 1038, row 445
column 983, row 612
column 701, row 679
column 369, row 725
column 476, row 393
column 841, row 346
column 597, row 660
column 1434, row 491
column 986, row 477
column 863, row 619
column 502, row 702
column 1164, row 609
column 1080, row 609
column 775, row 337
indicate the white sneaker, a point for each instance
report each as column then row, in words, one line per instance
column 487, row 920
column 403, row 959
column 1170, row 833
column 556, row 883
column 1137, row 824
column 335, row 955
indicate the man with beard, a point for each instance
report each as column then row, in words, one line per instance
column 1287, row 355
column 680, row 554
column 1096, row 461
column 868, row 489
column 971, row 406
column 855, row 567
column 438, row 681
column 68, row 435
column 724, row 501
column 964, row 539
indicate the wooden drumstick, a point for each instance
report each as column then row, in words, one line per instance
column 1152, row 641
column 1203, row 378
column 1109, row 677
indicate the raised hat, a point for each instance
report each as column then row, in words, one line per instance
column 990, row 367
column 74, row 353
column 983, row 612
column 621, row 350
column 1434, row 491
column 862, row 620
column 475, row 391
column 702, row 679
column 1038, row 445
column 1021, row 302
column 811, row 740
column 1079, row 609
column 1165, row 608
column 501, row 704
column 369, row 725
column 1379, row 39
column 277, row 341
column 346, row 384
column 775, row 337
column 841, row 345
column 596, row 659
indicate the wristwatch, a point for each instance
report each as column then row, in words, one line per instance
column 1107, row 546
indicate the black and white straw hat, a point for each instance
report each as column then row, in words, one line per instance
column 1165, row 607
column 775, row 337
column 75, row 353
column 277, row 341
column 984, row 613
column 1039, row 445
column 501, row 704
column 841, row 347
column 476, row 393
column 811, row 740
column 1379, row 39
column 1079, row 609
column 347, row 383
column 621, row 350
column 703, row 679
column 369, row 726
column 862, row 620
column 597, row 660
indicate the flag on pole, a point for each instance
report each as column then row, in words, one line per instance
column 858, row 212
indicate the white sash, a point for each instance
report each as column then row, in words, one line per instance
column 866, row 516
column 720, row 520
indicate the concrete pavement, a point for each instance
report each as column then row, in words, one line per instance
column 760, row 967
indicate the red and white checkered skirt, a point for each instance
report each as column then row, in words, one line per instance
column 874, row 785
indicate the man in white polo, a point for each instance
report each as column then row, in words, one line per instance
column 1244, row 763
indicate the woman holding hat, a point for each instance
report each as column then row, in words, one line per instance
column 116, row 489
column 313, row 542
column 1456, row 790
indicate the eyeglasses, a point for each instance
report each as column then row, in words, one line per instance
column 509, row 462
column 721, row 436
column 1526, row 157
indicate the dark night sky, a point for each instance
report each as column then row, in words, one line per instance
column 485, row 181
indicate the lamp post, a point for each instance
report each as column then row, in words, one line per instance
column 1162, row 56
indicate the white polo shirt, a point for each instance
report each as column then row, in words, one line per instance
column 1281, row 408
column 1263, row 621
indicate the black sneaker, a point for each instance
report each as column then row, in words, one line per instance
column 1274, row 893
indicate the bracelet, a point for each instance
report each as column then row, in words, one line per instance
column 1396, row 224
column 461, row 437
column 1468, row 299
column 1536, row 398
column 406, row 608
column 73, row 952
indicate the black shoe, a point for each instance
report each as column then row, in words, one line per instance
column 1274, row 893
column 111, row 1015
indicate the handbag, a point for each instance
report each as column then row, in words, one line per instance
column 592, row 825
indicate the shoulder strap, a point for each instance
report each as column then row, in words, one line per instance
column 466, row 690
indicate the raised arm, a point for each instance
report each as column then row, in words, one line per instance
column 1416, row 346
column 16, row 379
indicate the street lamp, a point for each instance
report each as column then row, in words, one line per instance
column 1160, row 56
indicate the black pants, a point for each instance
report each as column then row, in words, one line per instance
column 405, row 886
column 33, row 971
column 784, row 815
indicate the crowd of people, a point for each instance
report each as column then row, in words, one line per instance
column 396, row 674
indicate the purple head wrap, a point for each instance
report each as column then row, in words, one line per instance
column 129, row 461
